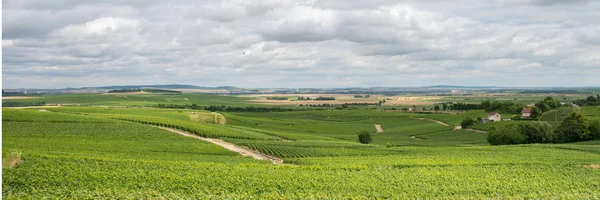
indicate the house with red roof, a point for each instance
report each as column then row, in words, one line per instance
column 526, row 112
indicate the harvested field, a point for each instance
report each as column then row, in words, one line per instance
column 20, row 97
column 285, row 102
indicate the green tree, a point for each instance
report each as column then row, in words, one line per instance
column 574, row 127
column 467, row 122
column 506, row 134
column 436, row 107
column 485, row 105
column 535, row 113
column 594, row 130
column 536, row 132
column 542, row 106
column 364, row 137
column 444, row 106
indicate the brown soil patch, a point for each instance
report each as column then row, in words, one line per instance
column 232, row 147
column 20, row 97
column 592, row 166
column 14, row 161
column 457, row 127
column 379, row 128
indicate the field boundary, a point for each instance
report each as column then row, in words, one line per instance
column 228, row 146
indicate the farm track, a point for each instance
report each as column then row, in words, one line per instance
column 228, row 146
column 479, row 131
column 455, row 127
column 436, row 121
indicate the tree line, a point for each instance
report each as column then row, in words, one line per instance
column 574, row 128
column 589, row 101
column 22, row 104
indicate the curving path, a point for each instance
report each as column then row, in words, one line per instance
column 228, row 146
column 436, row 121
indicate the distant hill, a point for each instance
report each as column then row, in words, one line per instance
column 458, row 86
column 121, row 87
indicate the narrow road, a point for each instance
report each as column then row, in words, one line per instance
column 436, row 121
column 228, row 146
column 379, row 128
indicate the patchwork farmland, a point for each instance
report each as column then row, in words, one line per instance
column 107, row 146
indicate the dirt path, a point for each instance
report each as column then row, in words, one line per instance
column 436, row 121
column 479, row 131
column 228, row 146
column 379, row 128
column 457, row 127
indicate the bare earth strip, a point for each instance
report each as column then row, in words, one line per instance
column 436, row 121
column 479, row 131
column 20, row 97
column 227, row 145
column 379, row 128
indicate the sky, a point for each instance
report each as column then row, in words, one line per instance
column 330, row 43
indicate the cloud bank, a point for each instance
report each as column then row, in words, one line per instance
column 331, row 43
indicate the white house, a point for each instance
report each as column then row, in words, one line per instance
column 494, row 117
column 526, row 112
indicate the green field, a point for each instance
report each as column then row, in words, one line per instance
column 107, row 152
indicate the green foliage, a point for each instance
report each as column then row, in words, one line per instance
column 542, row 106
column 556, row 115
column 536, row 132
column 573, row 128
column 506, row 134
column 535, row 113
column 594, row 130
column 467, row 122
column 364, row 137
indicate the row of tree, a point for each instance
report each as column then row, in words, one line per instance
column 589, row 101
column 277, row 98
column 22, row 104
column 573, row 128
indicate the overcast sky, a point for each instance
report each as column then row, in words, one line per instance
column 332, row 43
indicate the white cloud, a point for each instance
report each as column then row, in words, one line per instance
column 99, row 27
column 331, row 43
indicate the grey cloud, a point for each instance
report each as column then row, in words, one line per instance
column 298, row 43
column 556, row 2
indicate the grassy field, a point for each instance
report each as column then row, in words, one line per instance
column 110, row 152
column 150, row 99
